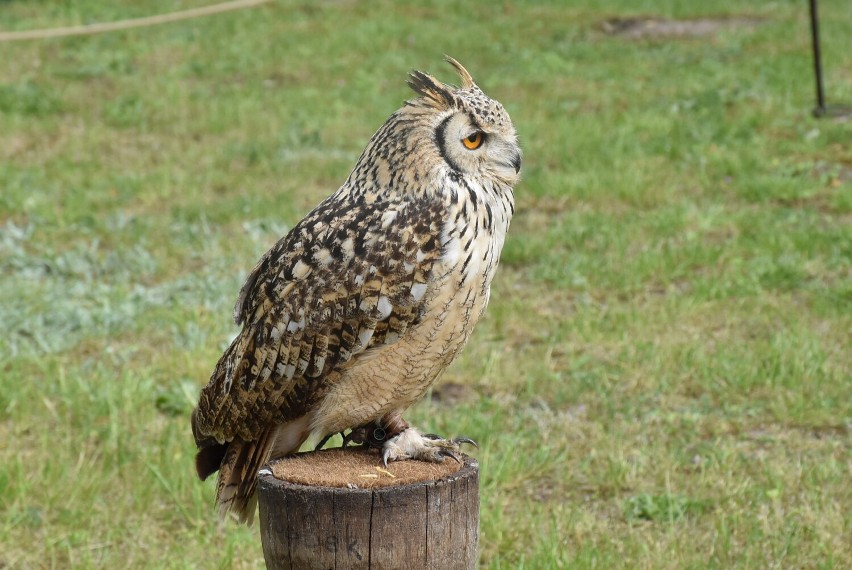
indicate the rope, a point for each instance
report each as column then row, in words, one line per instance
column 129, row 24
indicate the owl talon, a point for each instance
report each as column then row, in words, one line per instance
column 450, row 454
column 457, row 440
column 411, row 444
column 461, row 439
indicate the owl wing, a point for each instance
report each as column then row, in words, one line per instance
column 350, row 277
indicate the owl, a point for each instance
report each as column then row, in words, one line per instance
column 350, row 318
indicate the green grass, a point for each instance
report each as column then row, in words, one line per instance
column 663, row 378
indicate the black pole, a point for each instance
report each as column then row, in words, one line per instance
column 820, row 108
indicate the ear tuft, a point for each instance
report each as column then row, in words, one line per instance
column 467, row 80
column 427, row 86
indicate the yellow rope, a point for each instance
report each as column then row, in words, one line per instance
column 128, row 24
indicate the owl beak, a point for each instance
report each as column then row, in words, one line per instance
column 516, row 162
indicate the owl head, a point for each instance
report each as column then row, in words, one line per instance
column 473, row 133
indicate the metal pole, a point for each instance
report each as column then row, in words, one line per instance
column 819, row 111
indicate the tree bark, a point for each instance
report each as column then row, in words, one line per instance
column 429, row 524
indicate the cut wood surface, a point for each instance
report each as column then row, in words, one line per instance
column 342, row 509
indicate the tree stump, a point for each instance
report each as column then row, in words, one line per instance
column 341, row 509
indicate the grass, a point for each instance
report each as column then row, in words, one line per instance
column 663, row 376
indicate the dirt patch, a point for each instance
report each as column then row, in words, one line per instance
column 835, row 174
column 652, row 27
column 451, row 393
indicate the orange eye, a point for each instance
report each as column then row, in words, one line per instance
column 473, row 142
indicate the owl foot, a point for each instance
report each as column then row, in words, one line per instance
column 370, row 435
column 375, row 434
column 411, row 444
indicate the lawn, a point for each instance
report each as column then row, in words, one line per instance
column 663, row 378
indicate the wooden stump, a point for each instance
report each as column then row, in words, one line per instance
column 342, row 510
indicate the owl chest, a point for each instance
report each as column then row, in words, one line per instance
column 471, row 241
column 470, row 252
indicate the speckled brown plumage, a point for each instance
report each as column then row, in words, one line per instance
column 354, row 313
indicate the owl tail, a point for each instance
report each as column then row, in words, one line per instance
column 239, row 461
column 237, row 483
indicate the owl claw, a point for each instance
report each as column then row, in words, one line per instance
column 450, row 454
column 457, row 440
column 411, row 444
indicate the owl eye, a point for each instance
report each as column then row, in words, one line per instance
column 474, row 141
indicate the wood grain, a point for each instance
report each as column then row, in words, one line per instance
column 431, row 524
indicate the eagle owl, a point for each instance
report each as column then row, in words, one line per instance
column 355, row 313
